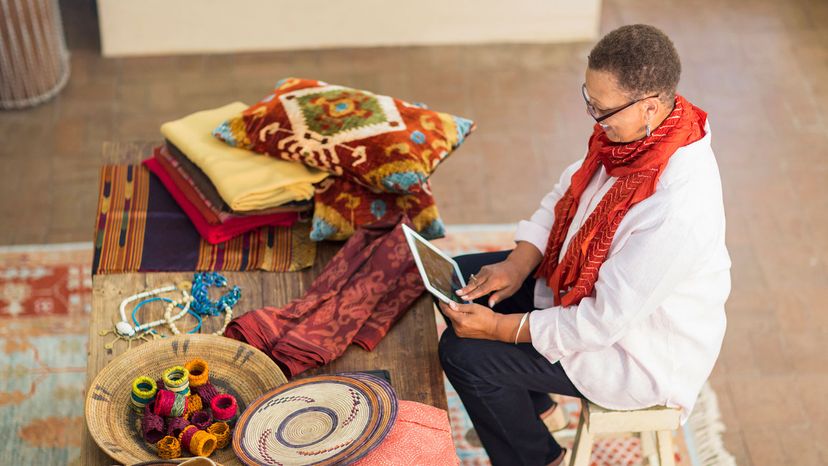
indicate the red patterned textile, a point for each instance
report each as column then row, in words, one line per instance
column 638, row 166
column 362, row 291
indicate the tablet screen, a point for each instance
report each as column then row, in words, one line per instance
column 440, row 272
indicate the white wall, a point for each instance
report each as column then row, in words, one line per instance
column 153, row 27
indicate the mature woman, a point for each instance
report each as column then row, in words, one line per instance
column 615, row 290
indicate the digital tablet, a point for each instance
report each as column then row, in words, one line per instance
column 440, row 273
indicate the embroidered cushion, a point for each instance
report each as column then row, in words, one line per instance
column 378, row 141
column 340, row 206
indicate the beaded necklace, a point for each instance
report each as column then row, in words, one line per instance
column 203, row 306
column 124, row 331
column 167, row 317
column 197, row 304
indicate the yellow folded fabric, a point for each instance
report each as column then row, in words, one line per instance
column 244, row 179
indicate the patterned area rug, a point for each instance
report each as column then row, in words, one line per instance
column 45, row 298
column 698, row 442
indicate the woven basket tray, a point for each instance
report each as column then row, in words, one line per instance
column 235, row 368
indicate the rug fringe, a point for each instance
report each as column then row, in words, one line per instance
column 707, row 428
column 48, row 247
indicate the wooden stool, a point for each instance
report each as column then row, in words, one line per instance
column 653, row 425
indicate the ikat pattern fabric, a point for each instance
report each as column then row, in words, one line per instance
column 341, row 206
column 378, row 141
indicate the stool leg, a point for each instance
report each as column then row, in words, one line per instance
column 665, row 448
column 582, row 448
column 556, row 421
column 648, row 448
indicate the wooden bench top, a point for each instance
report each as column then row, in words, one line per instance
column 408, row 352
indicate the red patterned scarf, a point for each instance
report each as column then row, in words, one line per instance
column 638, row 166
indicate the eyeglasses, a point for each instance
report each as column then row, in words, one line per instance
column 594, row 113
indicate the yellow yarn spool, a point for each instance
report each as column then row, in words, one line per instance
column 143, row 392
column 177, row 379
column 222, row 432
column 203, row 443
column 168, row 448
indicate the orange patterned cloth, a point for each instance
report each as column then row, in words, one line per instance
column 421, row 436
column 378, row 141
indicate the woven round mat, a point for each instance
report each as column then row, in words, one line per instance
column 235, row 368
column 322, row 420
column 388, row 397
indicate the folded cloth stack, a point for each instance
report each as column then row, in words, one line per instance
column 215, row 227
column 227, row 191
column 362, row 291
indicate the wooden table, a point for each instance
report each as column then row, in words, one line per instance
column 408, row 352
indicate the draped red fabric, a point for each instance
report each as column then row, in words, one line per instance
column 638, row 166
column 358, row 296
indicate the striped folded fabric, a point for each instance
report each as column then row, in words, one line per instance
column 140, row 228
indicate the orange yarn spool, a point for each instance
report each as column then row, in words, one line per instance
column 168, row 448
column 194, row 404
column 203, row 443
column 199, row 372
column 222, row 432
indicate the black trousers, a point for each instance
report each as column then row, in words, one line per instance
column 503, row 386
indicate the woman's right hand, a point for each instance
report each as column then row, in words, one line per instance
column 502, row 280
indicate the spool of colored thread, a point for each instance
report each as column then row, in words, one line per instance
column 143, row 392
column 177, row 380
column 222, row 432
column 202, row 443
column 152, row 427
column 186, row 435
column 193, row 404
column 199, row 372
column 202, row 419
column 164, row 401
column 168, row 448
column 176, row 425
column 207, row 392
column 179, row 406
column 224, row 407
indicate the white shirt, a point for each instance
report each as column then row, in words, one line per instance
column 650, row 332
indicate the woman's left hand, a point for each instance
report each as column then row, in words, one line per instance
column 471, row 320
